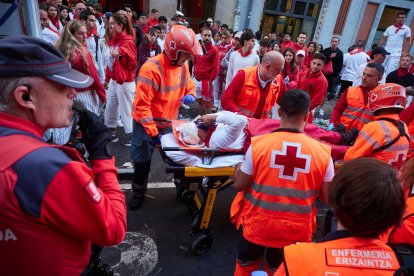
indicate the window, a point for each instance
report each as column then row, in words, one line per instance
column 271, row 5
column 286, row 6
column 299, row 8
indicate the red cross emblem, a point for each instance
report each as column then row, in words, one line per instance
column 290, row 161
column 172, row 45
column 399, row 160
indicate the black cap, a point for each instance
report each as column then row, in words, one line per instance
column 27, row 56
column 379, row 50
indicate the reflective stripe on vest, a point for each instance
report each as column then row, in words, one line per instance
column 279, row 206
column 356, row 114
column 249, row 96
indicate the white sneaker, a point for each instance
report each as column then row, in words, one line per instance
column 119, row 123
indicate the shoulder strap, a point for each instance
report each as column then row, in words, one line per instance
column 405, row 257
column 401, row 129
column 96, row 49
column 17, row 145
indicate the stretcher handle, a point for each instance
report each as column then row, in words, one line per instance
column 239, row 151
column 161, row 120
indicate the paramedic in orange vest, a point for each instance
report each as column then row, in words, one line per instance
column 254, row 90
column 282, row 175
column 386, row 138
column 163, row 82
column 351, row 109
column 367, row 199
column 404, row 232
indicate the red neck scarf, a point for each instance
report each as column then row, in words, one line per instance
column 399, row 27
column 152, row 46
column 55, row 22
column 355, row 51
column 244, row 54
column 401, row 72
column 53, row 30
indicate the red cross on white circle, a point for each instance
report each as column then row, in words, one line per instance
column 290, row 161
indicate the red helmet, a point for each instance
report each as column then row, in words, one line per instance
column 180, row 38
column 387, row 95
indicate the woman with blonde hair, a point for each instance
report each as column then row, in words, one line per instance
column 122, row 93
column 72, row 45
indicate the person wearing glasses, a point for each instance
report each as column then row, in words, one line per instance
column 398, row 38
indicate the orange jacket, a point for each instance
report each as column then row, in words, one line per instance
column 376, row 134
column 356, row 113
column 405, row 232
column 411, row 145
column 249, row 96
column 160, row 88
column 279, row 206
column 345, row 256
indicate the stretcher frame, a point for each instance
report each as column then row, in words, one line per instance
column 197, row 188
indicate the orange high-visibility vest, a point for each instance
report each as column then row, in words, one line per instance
column 279, row 206
column 160, row 88
column 356, row 113
column 404, row 233
column 249, row 96
column 411, row 145
column 377, row 134
column 346, row 257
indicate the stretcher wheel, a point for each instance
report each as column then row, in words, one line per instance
column 202, row 244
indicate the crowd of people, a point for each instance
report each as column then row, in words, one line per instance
column 130, row 69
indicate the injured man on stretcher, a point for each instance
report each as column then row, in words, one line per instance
column 227, row 131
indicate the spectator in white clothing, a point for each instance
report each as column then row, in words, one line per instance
column 352, row 61
column 377, row 55
column 47, row 34
column 161, row 39
column 92, row 42
column 54, row 18
column 398, row 38
column 242, row 58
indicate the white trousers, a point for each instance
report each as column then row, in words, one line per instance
column 391, row 63
column 119, row 104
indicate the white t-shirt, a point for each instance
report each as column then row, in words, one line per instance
column 237, row 62
column 358, row 77
column 247, row 166
column 351, row 64
column 161, row 43
column 49, row 36
column 395, row 39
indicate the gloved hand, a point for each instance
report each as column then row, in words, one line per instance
column 95, row 135
column 331, row 126
column 188, row 99
column 156, row 140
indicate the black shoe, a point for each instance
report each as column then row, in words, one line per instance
column 349, row 137
column 136, row 202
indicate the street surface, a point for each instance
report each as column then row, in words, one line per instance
column 158, row 240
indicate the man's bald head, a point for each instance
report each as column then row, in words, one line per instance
column 272, row 64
